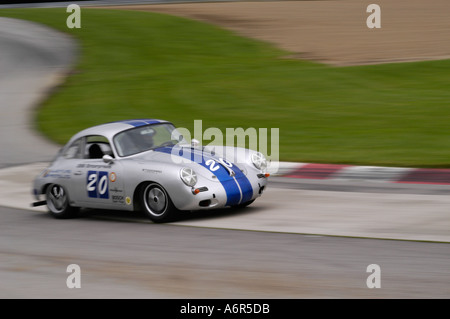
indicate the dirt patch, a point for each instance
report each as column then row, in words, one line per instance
column 332, row 32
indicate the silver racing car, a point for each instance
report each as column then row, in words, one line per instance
column 147, row 165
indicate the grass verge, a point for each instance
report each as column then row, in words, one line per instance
column 141, row 64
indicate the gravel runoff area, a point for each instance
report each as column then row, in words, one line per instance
column 332, row 32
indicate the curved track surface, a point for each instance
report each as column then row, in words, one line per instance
column 32, row 61
column 125, row 256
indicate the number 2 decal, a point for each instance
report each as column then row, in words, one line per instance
column 97, row 184
column 214, row 166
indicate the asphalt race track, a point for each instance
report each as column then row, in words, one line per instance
column 143, row 260
column 302, row 239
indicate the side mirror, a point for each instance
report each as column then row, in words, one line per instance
column 108, row 159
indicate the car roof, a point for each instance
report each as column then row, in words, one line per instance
column 110, row 129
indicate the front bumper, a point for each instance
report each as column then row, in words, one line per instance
column 215, row 195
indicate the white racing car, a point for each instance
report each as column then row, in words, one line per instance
column 147, row 165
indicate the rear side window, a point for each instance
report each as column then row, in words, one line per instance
column 74, row 150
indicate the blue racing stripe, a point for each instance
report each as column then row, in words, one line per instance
column 232, row 189
column 244, row 184
column 141, row 122
column 247, row 189
column 233, row 192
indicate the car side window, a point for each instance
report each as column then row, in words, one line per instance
column 74, row 150
column 97, row 146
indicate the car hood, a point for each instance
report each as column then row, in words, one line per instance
column 201, row 161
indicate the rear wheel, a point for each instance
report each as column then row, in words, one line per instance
column 58, row 202
column 157, row 204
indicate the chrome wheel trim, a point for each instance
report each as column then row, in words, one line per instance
column 57, row 200
column 156, row 200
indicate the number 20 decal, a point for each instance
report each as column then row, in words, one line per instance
column 97, row 184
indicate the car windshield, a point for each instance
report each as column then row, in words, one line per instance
column 148, row 137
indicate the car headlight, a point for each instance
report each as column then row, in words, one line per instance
column 188, row 176
column 259, row 160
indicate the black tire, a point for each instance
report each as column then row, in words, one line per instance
column 156, row 203
column 58, row 202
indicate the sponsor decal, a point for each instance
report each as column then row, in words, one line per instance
column 98, row 166
column 115, row 190
column 128, row 200
column 112, row 177
column 58, row 173
column 118, row 199
column 154, row 171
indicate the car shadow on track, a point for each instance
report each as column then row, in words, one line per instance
column 184, row 216
column 219, row 213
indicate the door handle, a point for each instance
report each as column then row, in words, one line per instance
column 78, row 173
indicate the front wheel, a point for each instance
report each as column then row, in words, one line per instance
column 157, row 204
column 58, row 202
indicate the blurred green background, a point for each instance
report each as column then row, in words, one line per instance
column 147, row 65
